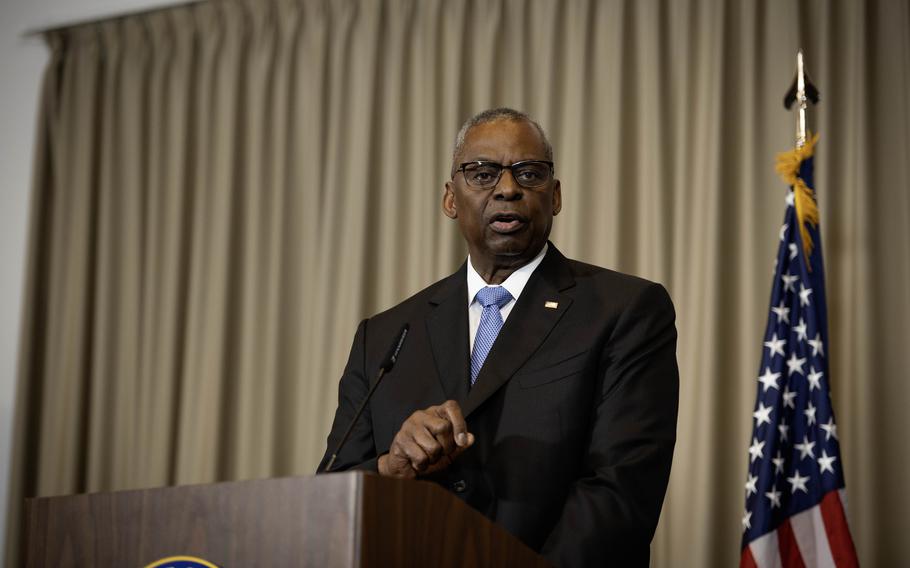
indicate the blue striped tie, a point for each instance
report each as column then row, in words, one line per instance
column 492, row 298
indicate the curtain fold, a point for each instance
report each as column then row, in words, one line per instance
column 223, row 190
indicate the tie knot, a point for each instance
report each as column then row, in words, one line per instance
column 493, row 296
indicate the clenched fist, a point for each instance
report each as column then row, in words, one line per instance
column 428, row 441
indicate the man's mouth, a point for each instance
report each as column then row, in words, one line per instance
column 506, row 223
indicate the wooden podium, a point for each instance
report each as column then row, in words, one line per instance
column 340, row 519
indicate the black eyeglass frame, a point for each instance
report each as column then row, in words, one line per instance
column 502, row 167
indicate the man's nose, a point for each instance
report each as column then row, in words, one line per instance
column 507, row 188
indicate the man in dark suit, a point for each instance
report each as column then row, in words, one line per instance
column 541, row 390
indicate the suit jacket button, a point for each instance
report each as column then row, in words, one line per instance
column 459, row 486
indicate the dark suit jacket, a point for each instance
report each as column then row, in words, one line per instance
column 574, row 411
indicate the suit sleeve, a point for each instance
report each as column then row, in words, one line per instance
column 359, row 451
column 610, row 514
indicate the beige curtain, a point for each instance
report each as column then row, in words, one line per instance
column 223, row 190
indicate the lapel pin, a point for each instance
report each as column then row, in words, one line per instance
column 551, row 304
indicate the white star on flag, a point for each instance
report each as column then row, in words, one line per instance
column 778, row 461
column 783, row 313
column 818, row 346
column 774, row 496
column 804, row 295
column 795, row 364
column 762, row 415
column 805, row 448
column 750, row 484
column 783, row 428
column 825, row 462
column 810, row 414
column 789, row 281
column 776, row 345
column 769, row 379
column 788, row 397
column 800, row 330
column 798, row 483
column 756, row 450
column 815, row 378
column 830, row 429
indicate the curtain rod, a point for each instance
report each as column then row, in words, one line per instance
column 36, row 32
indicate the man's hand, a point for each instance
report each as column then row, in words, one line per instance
column 428, row 441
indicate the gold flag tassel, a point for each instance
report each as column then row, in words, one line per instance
column 803, row 196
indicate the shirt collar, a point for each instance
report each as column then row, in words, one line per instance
column 515, row 283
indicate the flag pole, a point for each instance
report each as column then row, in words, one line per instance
column 801, row 100
column 801, row 92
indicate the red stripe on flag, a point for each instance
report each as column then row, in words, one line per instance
column 842, row 549
column 746, row 560
column 789, row 551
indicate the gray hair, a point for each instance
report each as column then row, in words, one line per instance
column 491, row 115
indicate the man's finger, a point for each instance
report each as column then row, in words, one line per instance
column 404, row 445
column 429, row 444
column 441, row 428
column 452, row 412
column 437, row 424
column 396, row 464
column 418, row 458
column 423, row 425
column 446, row 440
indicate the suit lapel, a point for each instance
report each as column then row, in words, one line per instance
column 447, row 327
column 529, row 323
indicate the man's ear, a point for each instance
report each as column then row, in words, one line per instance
column 557, row 198
column 448, row 201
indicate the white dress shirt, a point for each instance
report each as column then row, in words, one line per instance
column 515, row 283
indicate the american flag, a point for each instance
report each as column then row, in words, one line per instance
column 795, row 499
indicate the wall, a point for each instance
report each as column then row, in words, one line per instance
column 22, row 61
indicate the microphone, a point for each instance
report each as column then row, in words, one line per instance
column 392, row 356
column 387, row 363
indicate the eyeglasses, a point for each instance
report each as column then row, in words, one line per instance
column 529, row 174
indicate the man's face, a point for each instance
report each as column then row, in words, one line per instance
column 505, row 226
